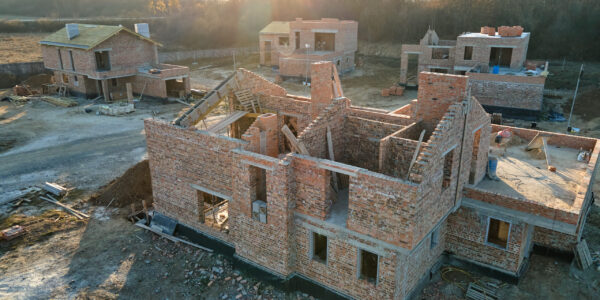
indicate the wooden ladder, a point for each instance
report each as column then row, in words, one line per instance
column 247, row 100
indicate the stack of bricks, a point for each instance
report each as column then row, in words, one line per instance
column 393, row 91
column 508, row 31
column 491, row 31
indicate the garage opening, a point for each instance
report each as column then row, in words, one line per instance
column 324, row 41
column 500, row 56
column 440, row 53
column 176, row 88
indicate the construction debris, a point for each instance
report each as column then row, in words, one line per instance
column 582, row 255
column 60, row 101
column 76, row 213
column 12, row 232
column 172, row 238
column 54, row 188
column 116, row 109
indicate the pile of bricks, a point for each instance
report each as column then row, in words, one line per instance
column 508, row 31
column 491, row 31
column 393, row 91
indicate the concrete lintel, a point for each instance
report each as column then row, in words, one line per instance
column 325, row 30
column 502, row 46
column 209, row 191
column 257, row 165
column 439, row 46
column 515, row 215
column 256, row 155
column 343, row 232
column 338, row 168
column 413, row 52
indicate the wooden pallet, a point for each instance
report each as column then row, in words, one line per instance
column 478, row 292
column 582, row 255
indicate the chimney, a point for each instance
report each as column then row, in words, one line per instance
column 142, row 29
column 72, row 30
column 321, row 87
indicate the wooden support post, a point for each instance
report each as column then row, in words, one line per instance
column 145, row 210
column 105, row 92
column 132, row 212
column 129, row 92
column 336, row 186
column 414, row 158
column 299, row 147
column 551, row 168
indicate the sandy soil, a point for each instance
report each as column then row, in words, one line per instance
column 20, row 47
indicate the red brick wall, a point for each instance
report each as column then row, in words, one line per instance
column 312, row 188
column 553, row 239
column 467, row 235
column 180, row 157
column 520, row 92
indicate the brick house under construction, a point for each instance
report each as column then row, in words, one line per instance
column 362, row 201
column 500, row 76
column 100, row 60
column 292, row 46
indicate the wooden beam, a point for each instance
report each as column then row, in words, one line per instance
column 332, row 157
column 228, row 120
column 338, row 83
column 414, row 158
column 298, row 146
column 129, row 92
column 172, row 238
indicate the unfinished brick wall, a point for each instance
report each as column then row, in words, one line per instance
column 380, row 115
column 314, row 137
column 266, row 244
column 312, row 188
column 393, row 221
column 361, row 141
column 341, row 269
column 515, row 92
column 438, row 93
column 482, row 46
column 466, row 238
column 554, row 239
column 179, row 158
column 258, row 84
column 395, row 155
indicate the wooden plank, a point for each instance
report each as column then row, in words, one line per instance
column 332, row 157
column 172, row 238
column 74, row 212
column 338, row 84
column 230, row 119
column 54, row 188
column 415, row 154
column 129, row 92
column 536, row 142
column 299, row 147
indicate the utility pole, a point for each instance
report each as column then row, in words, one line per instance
column 574, row 97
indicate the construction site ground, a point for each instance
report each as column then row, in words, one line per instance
column 106, row 257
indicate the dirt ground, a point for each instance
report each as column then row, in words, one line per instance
column 20, row 47
column 106, row 257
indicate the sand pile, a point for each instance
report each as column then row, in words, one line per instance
column 132, row 187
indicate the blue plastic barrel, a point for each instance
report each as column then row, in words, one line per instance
column 495, row 69
column 492, row 165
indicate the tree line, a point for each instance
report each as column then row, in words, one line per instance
column 559, row 28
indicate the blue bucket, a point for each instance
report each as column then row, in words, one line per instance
column 495, row 69
column 492, row 165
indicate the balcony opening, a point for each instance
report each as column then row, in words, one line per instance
column 102, row 61
column 497, row 233
column 324, row 41
column 368, row 266
column 500, row 57
column 319, row 247
column 440, row 53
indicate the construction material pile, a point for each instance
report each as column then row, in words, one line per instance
column 132, row 187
